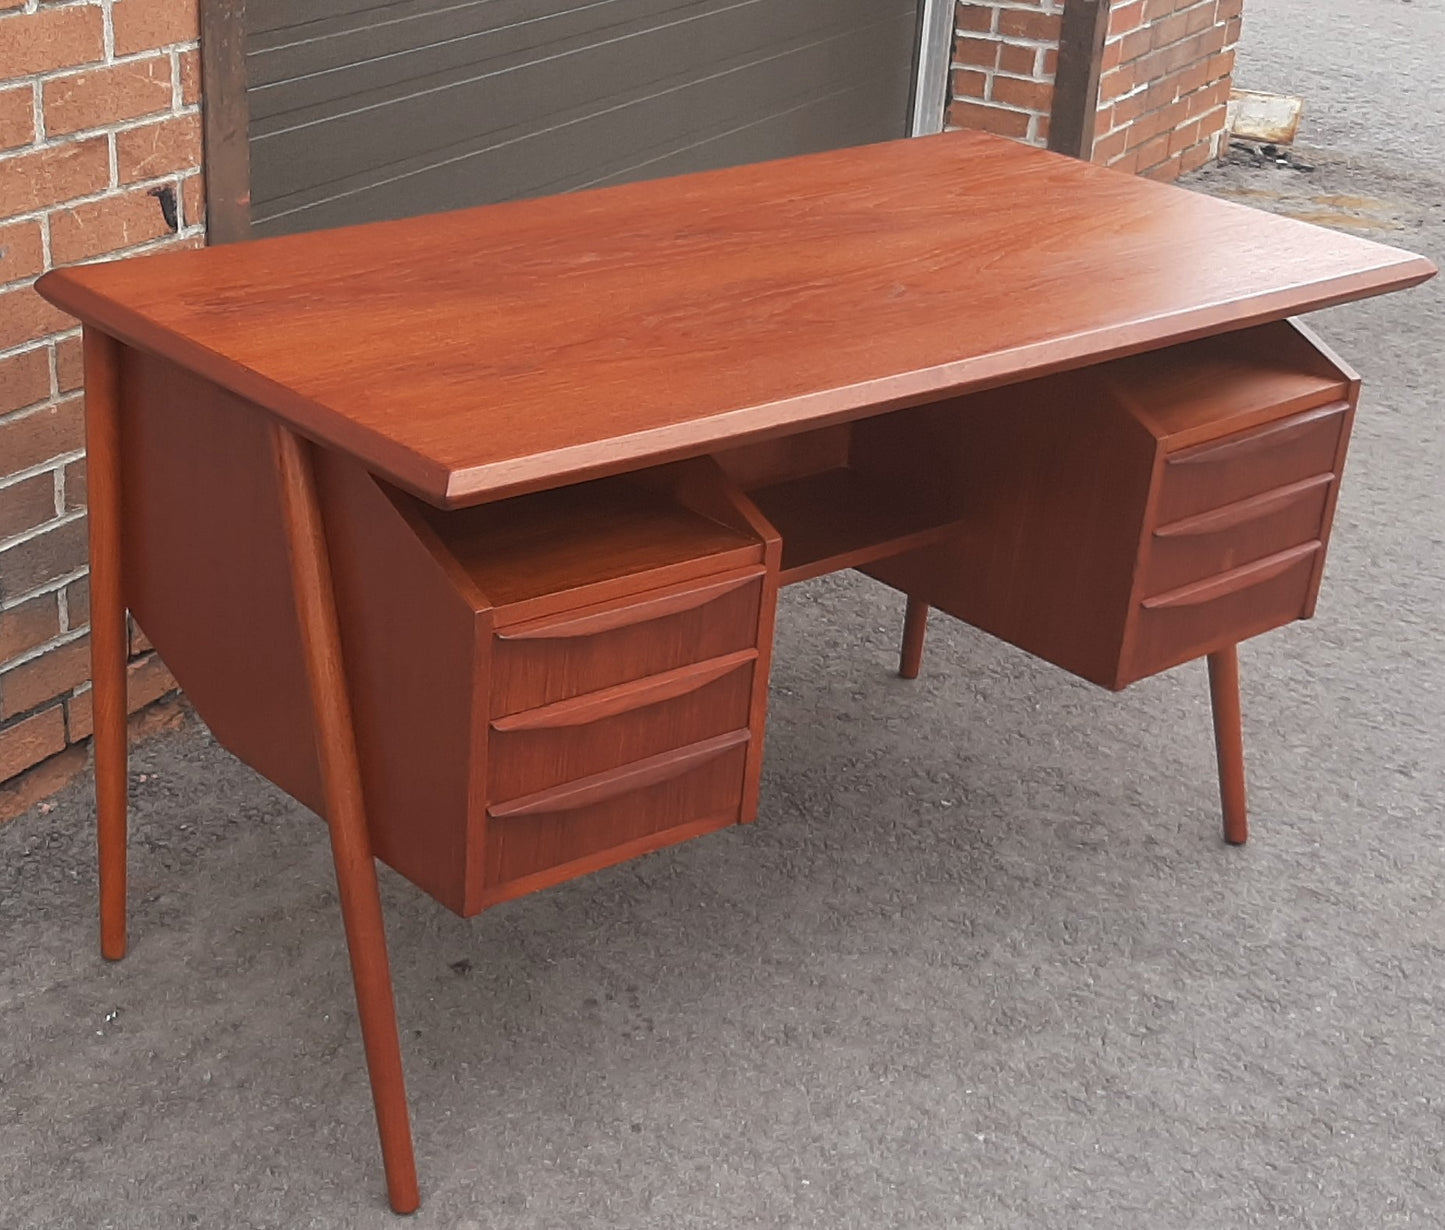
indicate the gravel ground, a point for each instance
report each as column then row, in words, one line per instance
column 983, row 961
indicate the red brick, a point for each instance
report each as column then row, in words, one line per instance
column 976, row 17
column 24, row 380
column 190, row 66
column 1231, row 31
column 1109, row 147
column 46, row 556
column 17, row 117
column 43, row 678
column 1016, row 59
column 1029, row 95
column 26, row 317
column 1125, row 17
column 43, row 177
column 21, row 253
column 1117, row 83
column 77, row 603
column 118, row 221
column 1195, row 157
column 1230, row 8
column 75, row 485
column 1212, row 122
column 141, row 25
column 1126, row 111
column 1164, row 172
column 146, row 681
column 48, row 432
column 193, row 199
column 139, row 641
column 98, row 97
column 969, row 83
column 28, row 626
column 1221, row 66
column 26, row 504
column 1201, row 17
column 977, row 52
column 1134, row 45
column 69, row 363
column 989, row 119
column 158, row 149
column 1183, row 137
column 1169, row 30
column 1207, row 99
column 1040, row 27
column 49, row 39
column 1195, row 77
column 28, row 742
column 1155, row 9
column 1151, row 154
column 1051, row 62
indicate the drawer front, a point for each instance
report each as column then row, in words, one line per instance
column 545, row 661
column 698, row 783
column 1223, row 539
column 1276, row 455
column 580, row 737
column 1184, row 623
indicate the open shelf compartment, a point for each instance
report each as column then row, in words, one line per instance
column 845, row 496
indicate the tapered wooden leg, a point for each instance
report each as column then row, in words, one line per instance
column 915, row 623
column 346, row 814
column 107, row 629
column 1229, row 742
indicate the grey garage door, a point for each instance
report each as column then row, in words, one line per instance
column 363, row 110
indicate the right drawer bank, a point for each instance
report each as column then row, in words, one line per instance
column 1123, row 519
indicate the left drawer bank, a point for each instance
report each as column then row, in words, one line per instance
column 540, row 686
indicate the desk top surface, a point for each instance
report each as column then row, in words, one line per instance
column 495, row 350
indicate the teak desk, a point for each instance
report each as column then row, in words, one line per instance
column 467, row 530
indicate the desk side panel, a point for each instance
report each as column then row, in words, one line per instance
column 206, row 572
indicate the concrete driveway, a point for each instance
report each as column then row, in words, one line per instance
column 983, row 962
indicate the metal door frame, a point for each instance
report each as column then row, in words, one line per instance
column 225, row 115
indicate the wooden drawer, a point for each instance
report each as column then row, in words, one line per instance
column 584, row 735
column 1276, row 455
column 1196, row 619
column 1222, row 539
column 614, row 815
column 547, row 660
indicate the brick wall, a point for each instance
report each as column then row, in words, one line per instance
column 1004, row 57
column 99, row 123
column 1165, row 78
column 1167, row 70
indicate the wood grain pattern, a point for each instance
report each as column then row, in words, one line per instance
column 205, row 560
column 345, row 810
column 1287, row 451
column 1223, row 538
column 542, row 662
column 616, row 816
column 1229, row 742
column 103, row 412
column 915, row 626
column 524, row 759
column 518, row 346
column 417, row 638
